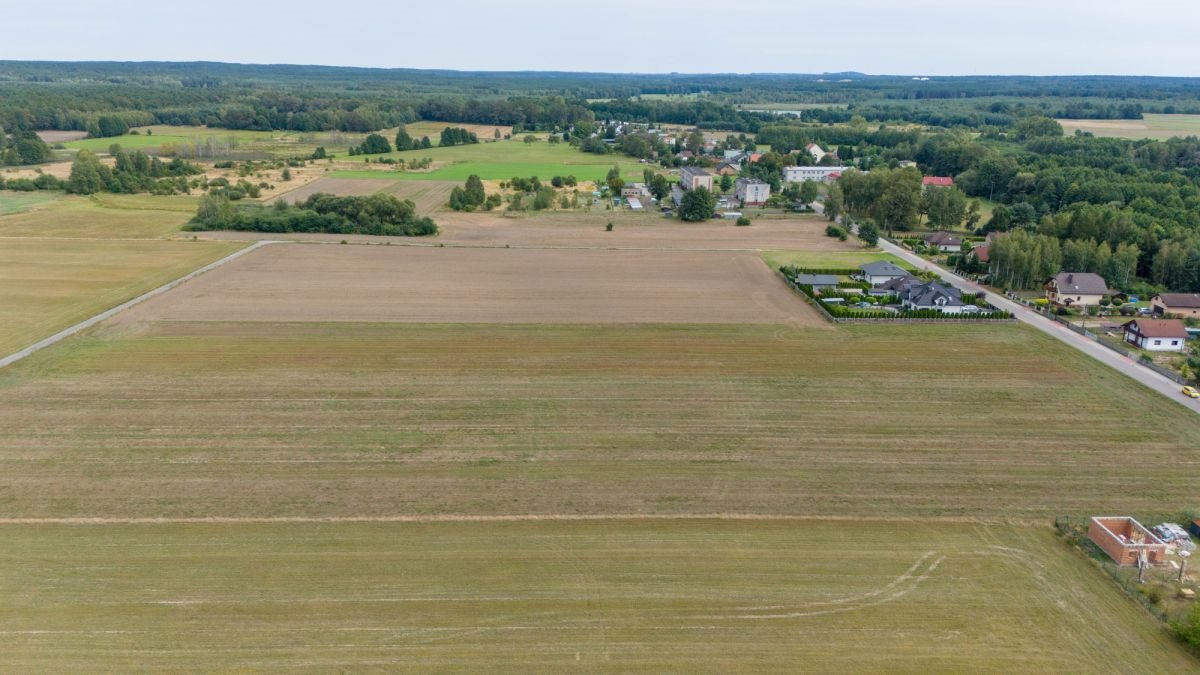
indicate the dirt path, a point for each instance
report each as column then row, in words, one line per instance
column 88, row 323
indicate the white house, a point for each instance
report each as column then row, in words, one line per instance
column 1156, row 335
column 881, row 271
column 752, row 191
column 816, row 152
column 932, row 295
column 819, row 174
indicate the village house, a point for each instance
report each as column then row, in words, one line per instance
column 881, row 271
column 1156, row 335
column 635, row 191
column 1186, row 305
column 937, row 181
column 1076, row 289
column 815, row 152
column 819, row 282
column 819, row 174
column 752, row 191
column 932, row 295
column 944, row 242
column 981, row 252
column 692, row 177
column 730, row 167
column 893, row 286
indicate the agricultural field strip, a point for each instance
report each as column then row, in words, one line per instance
column 521, row 518
column 109, row 313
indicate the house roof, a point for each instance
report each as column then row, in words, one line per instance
column 881, row 268
column 928, row 294
column 817, row 279
column 982, row 252
column 693, row 171
column 1181, row 300
column 937, row 181
column 749, row 181
column 943, row 239
column 896, row 285
column 1159, row 328
column 1084, row 283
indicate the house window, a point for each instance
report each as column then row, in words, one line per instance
column 1174, row 343
column 1157, row 343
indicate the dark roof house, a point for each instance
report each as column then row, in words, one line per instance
column 932, row 295
column 882, row 268
column 1083, row 283
column 943, row 240
column 817, row 280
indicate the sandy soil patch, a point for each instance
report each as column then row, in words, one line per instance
column 334, row 186
column 465, row 285
column 54, row 136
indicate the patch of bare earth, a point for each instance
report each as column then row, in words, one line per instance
column 468, row 285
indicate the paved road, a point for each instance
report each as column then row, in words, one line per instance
column 88, row 323
column 1054, row 329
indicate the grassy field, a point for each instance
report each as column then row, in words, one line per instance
column 241, row 142
column 681, row 596
column 828, row 259
column 1158, row 127
column 181, row 419
column 17, row 202
column 501, row 161
column 49, row 284
column 102, row 217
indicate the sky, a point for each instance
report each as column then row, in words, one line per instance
column 914, row 37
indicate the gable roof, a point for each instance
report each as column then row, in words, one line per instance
column 943, row 238
column 1159, row 328
column 1083, row 283
column 937, row 181
column 896, row 285
column 1181, row 300
column 881, row 268
column 693, row 171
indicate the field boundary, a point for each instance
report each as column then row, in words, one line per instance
column 109, row 313
column 512, row 518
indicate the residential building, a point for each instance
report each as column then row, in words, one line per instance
column 819, row 174
column 752, row 191
column 894, row 286
column 729, row 167
column 932, row 295
column 692, row 177
column 732, row 154
column 981, row 252
column 635, row 191
column 881, row 271
column 816, row 152
column 1180, row 304
column 937, row 181
column 1076, row 289
column 819, row 282
column 1156, row 335
column 944, row 242
column 1126, row 541
column 907, row 164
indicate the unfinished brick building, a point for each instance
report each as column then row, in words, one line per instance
column 1123, row 538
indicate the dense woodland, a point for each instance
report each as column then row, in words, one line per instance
column 375, row 214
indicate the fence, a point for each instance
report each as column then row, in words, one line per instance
column 898, row 319
column 1133, row 356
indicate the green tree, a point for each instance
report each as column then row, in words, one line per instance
column 808, row 192
column 868, row 233
column 474, row 190
column 659, row 186
column 374, row 144
column 726, row 183
column 286, row 175
column 945, row 207
column 403, row 140
column 698, row 205
column 86, row 174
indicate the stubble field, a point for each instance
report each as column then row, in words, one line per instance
column 315, row 282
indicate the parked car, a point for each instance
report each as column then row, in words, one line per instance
column 1145, row 311
column 970, row 309
column 1191, row 392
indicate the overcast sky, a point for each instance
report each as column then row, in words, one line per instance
column 912, row 37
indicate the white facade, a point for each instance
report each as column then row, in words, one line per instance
column 820, row 174
column 752, row 192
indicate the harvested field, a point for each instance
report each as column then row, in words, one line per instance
column 1159, row 127
column 680, row 596
column 467, row 285
column 586, row 230
column 346, row 187
column 47, row 285
column 364, row 420
column 55, row 136
column 430, row 196
column 101, row 217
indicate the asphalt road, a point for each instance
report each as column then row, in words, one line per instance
column 1124, row 364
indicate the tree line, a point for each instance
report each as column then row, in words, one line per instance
column 374, row 214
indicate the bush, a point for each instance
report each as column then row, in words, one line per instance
column 835, row 231
column 743, row 221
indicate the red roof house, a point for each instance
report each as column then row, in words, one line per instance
column 937, row 181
